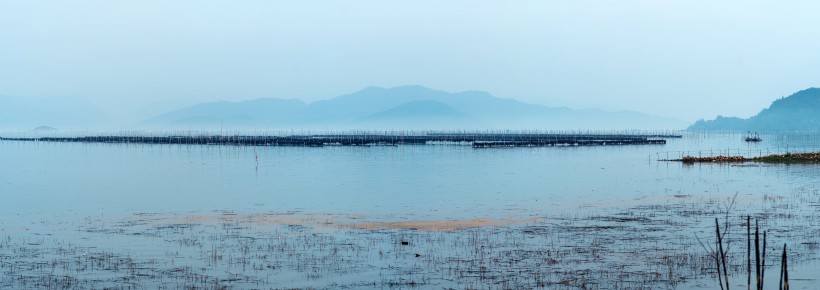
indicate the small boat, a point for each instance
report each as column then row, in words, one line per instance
column 753, row 138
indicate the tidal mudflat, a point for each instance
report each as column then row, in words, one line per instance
column 400, row 217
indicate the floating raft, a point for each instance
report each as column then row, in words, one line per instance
column 477, row 140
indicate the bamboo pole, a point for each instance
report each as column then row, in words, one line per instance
column 757, row 256
column 763, row 263
column 785, row 269
column 749, row 252
column 722, row 254
column 782, row 267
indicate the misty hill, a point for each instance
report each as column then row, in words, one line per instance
column 240, row 114
column 419, row 114
column 405, row 107
column 797, row 112
column 374, row 99
column 66, row 112
column 45, row 129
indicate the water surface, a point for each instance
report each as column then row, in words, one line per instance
column 64, row 189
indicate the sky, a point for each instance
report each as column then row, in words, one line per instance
column 688, row 59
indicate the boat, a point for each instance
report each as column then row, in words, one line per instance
column 753, row 138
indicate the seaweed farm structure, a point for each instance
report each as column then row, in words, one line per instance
column 476, row 139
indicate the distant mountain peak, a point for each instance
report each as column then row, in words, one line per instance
column 413, row 90
column 799, row 98
column 797, row 112
column 42, row 129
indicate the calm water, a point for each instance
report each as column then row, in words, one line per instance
column 431, row 181
column 41, row 183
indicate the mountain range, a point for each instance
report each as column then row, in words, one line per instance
column 404, row 107
column 797, row 112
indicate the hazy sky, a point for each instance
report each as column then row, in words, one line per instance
column 689, row 59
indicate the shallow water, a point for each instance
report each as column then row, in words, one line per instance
column 142, row 201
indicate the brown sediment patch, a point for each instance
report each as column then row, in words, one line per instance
column 437, row 225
